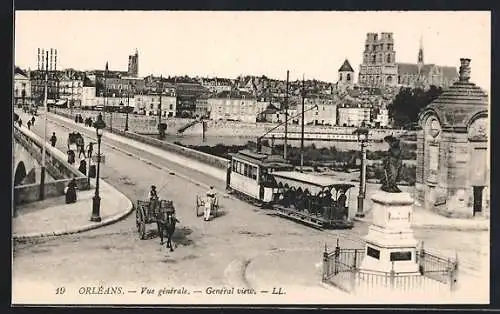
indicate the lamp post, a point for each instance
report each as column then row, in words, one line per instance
column 96, row 201
column 128, row 104
column 362, row 134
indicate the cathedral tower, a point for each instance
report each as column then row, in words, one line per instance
column 379, row 61
column 133, row 64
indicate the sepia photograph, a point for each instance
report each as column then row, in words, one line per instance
column 251, row 157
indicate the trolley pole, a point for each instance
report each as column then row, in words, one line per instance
column 302, row 128
column 286, row 116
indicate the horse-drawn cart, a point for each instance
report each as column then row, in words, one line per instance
column 200, row 206
column 147, row 212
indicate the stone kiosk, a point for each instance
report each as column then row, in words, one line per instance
column 452, row 151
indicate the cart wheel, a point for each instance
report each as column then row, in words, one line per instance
column 142, row 230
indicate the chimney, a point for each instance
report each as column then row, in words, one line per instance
column 464, row 72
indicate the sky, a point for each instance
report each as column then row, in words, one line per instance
column 228, row 44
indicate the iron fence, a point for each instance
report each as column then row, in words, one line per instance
column 341, row 268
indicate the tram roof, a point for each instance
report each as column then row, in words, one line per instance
column 322, row 181
column 261, row 159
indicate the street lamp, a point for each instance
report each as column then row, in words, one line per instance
column 96, row 201
column 128, row 104
column 362, row 134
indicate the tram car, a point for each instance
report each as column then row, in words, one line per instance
column 271, row 182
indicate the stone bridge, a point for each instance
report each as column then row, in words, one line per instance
column 26, row 168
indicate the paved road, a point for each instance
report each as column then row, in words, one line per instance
column 204, row 250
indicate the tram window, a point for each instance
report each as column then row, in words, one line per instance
column 254, row 173
column 240, row 167
column 245, row 173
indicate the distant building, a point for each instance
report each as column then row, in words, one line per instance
column 216, row 85
column 22, row 88
column 234, row 105
column 202, row 109
column 346, row 76
column 324, row 114
column 353, row 114
column 187, row 94
column 150, row 103
column 71, row 87
column 379, row 67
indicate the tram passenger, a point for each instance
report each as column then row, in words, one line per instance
column 209, row 202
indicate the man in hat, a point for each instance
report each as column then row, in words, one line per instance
column 153, row 198
column 209, row 202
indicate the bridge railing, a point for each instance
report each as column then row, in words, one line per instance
column 56, row 166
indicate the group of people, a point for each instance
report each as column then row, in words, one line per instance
column 29, row 124
column 76, row 138
column 87, row 121
column 209, row 203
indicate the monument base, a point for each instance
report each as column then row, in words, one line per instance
column 390, row 244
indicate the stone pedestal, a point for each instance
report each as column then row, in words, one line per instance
column 390, row 243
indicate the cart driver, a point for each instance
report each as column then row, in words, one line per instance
column 209, row 202
column 153, row 197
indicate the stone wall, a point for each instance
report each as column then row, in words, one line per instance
column 217, row 162
column 56, row 166
column 30, row 192
column 149, row 125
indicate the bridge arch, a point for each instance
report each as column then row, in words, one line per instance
column 20, row 173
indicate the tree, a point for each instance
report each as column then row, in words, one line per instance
column 409, row 102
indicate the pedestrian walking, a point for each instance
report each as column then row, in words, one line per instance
column 83, row 167
column 71, row 157
column 80, row 143
column 33, row 120
column 20, row 122
column 53, row 139
column 90, row 149
column 70, row 192
column 28, row 124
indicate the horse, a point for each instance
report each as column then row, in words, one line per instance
column 165, row 220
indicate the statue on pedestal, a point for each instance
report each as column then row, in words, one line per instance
column 392, row 166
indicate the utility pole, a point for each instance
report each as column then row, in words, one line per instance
column 42, row 170
column 105, row 91
column 286, row 117
column 302, row 127
column 159, row 109
column 72, row 101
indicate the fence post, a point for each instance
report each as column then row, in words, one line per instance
column 421, row 259
column 392, row 276
column 325, row 265
column 337, row 255
column 353, row 272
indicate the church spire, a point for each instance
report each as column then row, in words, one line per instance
column 421, row 52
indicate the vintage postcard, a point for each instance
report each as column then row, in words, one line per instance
column 232, row 157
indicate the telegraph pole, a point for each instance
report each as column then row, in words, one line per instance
column 159, row 108
column 105, row 91
column 302, row 127
column 286, row 116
